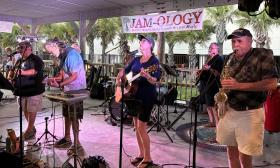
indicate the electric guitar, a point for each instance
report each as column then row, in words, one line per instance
column 198, row 75
column 131, row 87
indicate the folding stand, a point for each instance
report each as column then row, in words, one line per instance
column 179, row 116
column 46, row 133
column 157, row 123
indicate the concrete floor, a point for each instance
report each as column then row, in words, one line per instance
column 100, row 138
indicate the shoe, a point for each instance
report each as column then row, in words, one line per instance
column 28, row 135
column 135, row 161
column 80, row 150
column 34, row 130
column 146, row 164
column 63, row 143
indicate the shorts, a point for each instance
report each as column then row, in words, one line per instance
column 244, row 129
column 137, row 109
column 31, row 104
column 68, row 110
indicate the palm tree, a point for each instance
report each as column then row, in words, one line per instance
column 197, row 37
column 106, row 30
column 9, row 39
column 90, row 41
column 63, row 31
column 219, row 17
column 260, row 24
column 171, row 39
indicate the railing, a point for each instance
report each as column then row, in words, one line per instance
column 184, row 84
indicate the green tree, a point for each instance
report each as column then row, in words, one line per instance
column 9, row 39
column 172, row 38
column 219, row 17
column 64, row 31
column 90, row 41
column 106, row 29
column 197, row 37
column 261, row 24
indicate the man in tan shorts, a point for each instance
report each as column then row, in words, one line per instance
column 253, row 73
column 28, row 85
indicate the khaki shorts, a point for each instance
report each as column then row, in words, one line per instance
column 244, row 129
column 32, row 103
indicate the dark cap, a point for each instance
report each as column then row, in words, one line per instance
column 240, row 33
column 148, row 38
column 25, row 43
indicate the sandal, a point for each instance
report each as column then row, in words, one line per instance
column 146, row 164
column 80, row 150
column 135, row 161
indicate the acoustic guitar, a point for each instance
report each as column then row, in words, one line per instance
column 131, row 87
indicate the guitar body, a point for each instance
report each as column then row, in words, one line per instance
column 129, row 91
column 131, row 85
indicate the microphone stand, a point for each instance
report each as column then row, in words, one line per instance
column 121, row 126
column 20, row 114
column 194, row 106
column 21, row 146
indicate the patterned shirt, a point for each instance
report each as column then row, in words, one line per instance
column 259, row 66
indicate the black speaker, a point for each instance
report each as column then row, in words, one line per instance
column 12, row 161
column 273, row 9
column 249, row 5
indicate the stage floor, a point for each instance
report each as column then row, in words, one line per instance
column 99, row 137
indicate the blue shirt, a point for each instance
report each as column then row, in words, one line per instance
column 74, row 63
column 146, row 91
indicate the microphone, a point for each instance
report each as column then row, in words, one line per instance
column 133, row 53
column 235, row 50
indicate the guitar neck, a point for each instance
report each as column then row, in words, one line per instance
column 133, row 78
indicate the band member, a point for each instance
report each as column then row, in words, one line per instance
column 9, row 63
column 71, row 79
column 252, row 72
column 209, row 77
column 144, row 97
column 27, row 77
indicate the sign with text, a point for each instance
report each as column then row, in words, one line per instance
column 6, row 26
column 166, row 22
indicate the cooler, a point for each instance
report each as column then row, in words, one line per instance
column 272, row 111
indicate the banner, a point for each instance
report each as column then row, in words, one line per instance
column 6, row 26
column 166, row 22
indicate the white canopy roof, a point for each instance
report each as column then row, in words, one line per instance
column 37, row 12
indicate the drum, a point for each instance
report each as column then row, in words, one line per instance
column 272, row 115
column 115, row 109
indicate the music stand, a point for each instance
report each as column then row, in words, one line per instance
column 157, row 123
column 171, row 71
